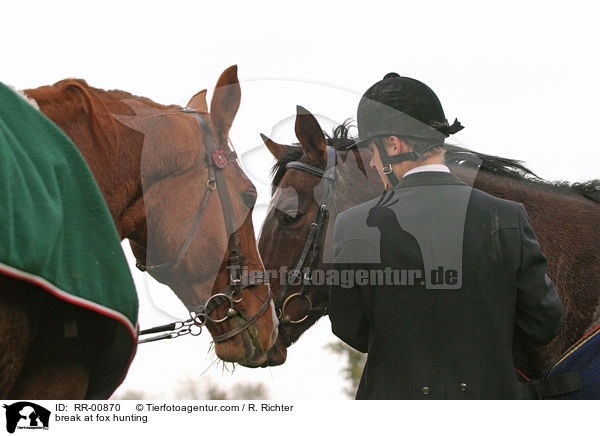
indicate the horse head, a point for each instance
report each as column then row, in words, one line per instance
column 297, row 197
column 199, row 205
column 176, row 190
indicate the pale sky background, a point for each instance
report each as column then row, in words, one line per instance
column 522, row 77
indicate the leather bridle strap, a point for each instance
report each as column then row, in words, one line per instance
column 309, row 169
column 231, row 333
column 181, row 328
column 314, row 236
column 387, row 160
column 211, row 184
column 217, row 159
column 210, row 187
column 234, row 243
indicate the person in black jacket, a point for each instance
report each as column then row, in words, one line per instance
column 463, row 269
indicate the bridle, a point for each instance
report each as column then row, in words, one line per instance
column 217, row 159
column 313, row 239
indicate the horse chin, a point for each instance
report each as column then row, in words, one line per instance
column 244, row 348
column 259, row 357
column 277, row 354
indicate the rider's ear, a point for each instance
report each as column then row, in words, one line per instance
column 198, row 102
column 310, row 135
column 276, row 149
column 399, row 145
column 225, row 102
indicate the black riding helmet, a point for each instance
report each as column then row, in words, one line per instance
column 406, row 108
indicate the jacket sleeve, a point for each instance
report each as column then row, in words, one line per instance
column 346, row 311
column 538, row 310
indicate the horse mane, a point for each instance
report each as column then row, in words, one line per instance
column 339, row 138
column 457, row 156
column 515, row 169
column 63, row 103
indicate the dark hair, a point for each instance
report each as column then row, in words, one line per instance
column 423, row 146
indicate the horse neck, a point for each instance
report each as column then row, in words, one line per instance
column 355, row 183
column 111, row 150
column 534, row 196
column 565, row 225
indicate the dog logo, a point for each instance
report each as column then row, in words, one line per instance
column 26, row 415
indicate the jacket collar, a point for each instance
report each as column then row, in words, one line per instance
column 428, row 167
column 429, row 178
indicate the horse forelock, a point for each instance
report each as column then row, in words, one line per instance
column 293, row 153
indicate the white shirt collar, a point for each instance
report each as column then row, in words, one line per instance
column 429, row 167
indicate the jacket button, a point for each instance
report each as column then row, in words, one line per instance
column 463, row 387
column 425, row 390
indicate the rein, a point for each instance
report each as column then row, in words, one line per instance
column 313, row 239
column 218, row 158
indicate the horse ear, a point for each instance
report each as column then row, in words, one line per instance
column 277, row 150
column 198, row 102
column 310, row 135
column 225, row 102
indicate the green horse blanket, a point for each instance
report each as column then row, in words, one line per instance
column 57, row 233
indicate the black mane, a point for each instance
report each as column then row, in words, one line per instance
column 516, row 170
column 457, row 156
column 292, row 154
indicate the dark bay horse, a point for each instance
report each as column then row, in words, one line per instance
column 565, row 218
column 151, row 165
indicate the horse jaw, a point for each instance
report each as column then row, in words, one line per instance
column 253, row 354
column 277, row 354
column 246, row 348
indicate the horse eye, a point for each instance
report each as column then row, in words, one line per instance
column 249, row 199
column 290, row 219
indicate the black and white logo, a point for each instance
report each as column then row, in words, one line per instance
column 26, row 415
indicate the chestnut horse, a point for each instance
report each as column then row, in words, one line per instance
column 150, row 164
column 565, row 218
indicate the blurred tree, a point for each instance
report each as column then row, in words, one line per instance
column 250, row 391
column 213, row 392
column 192, row 389
column 130, row 394
column 354, row 364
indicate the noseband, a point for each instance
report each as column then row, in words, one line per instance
column 217, row 159
column 313, row 239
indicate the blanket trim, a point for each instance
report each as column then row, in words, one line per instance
column 590, row 334
column 63, row 295
column 78, row 301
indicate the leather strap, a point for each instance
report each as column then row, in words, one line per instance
column 316, row 229
column 210, row 187
column 552, row 387
column 309, row 169
column 217, row 159
column 388, row 160
column 231, row 333
column 191, row 234
column 559, row 385
column 234, row 242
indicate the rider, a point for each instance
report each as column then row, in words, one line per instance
column 447, row 333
